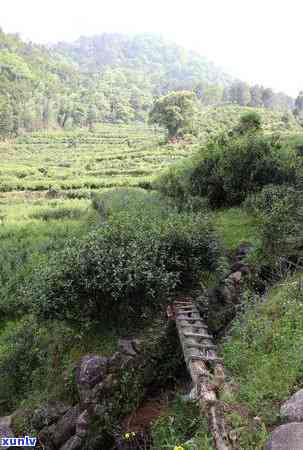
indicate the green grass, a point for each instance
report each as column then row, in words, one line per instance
column 181, row 426
column 236, row 226
column 31, row 230
column 264, row 352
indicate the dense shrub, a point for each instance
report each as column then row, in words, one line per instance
column 279, row 211
column 250, row 121
column 263, row 202
column 283, row 231
column 232, row 166
column 136, row 258
column 237, row 166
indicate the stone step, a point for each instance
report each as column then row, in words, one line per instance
column 198, row 335
column 205, row 358
column 202, row 346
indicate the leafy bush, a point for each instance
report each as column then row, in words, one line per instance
column 282, row 227
column 237, row 166
column 233, row 166
column 130, row 263
column 250, row 121
column 263, row 203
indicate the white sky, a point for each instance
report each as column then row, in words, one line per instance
column 259, row 41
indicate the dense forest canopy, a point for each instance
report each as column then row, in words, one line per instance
column 110, row 78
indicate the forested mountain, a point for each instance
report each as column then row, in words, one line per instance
column 108, row 78
column 167, row 65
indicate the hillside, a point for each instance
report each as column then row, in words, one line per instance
column 109, row 78
column 167, row 65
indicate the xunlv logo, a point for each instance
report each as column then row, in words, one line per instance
column 18, row 442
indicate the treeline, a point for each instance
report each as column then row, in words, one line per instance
column 109, row 78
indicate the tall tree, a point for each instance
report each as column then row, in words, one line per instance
column 240, row 93
column 256, row 93
column 177, row 112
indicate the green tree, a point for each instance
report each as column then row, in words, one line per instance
column 298, row 111
column 240, row 93
column 177, row 112
column 256, row 93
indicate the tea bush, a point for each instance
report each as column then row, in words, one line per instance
column 134, row 260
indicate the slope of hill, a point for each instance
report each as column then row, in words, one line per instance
column 109, row 78
column 168, row 65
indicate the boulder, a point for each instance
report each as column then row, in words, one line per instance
column 74, row 443
column 287, row 437
column 91, row 370
column 49, row 413
column 292, row 409
column 235, row 277
column 243, row 250
column 82, row 424
column 126, row 346
column 5, row 430
column 60, row 432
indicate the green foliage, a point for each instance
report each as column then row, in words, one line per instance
column 237, row 226
column 37, row 362
column 135, row 260
column 252, row 435
column 235, row 167
column 230, row 167
column 27, row 243
column 266, row 343
column 280, row 209
column 250, row 122
column 181, row 426
column 176, row 112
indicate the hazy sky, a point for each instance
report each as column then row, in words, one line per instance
column 257, row 41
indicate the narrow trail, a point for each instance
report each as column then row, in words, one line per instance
column 204, row 366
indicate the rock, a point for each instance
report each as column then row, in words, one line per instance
column 82, row 424
column 91, row 370
column 240, row 267
column 61, row 431
column 287, row 437
column 126, row 346
column 5, row 430
column 6, row 421
column 74, row 443
column 48, row 414
column 243, row 250
column 292, row 409
column 235, row 277
column 138, row 345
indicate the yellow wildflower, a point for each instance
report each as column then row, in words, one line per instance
column 129, row 435
column 179, row 447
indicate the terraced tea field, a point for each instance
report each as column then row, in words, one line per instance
column 112, row 155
